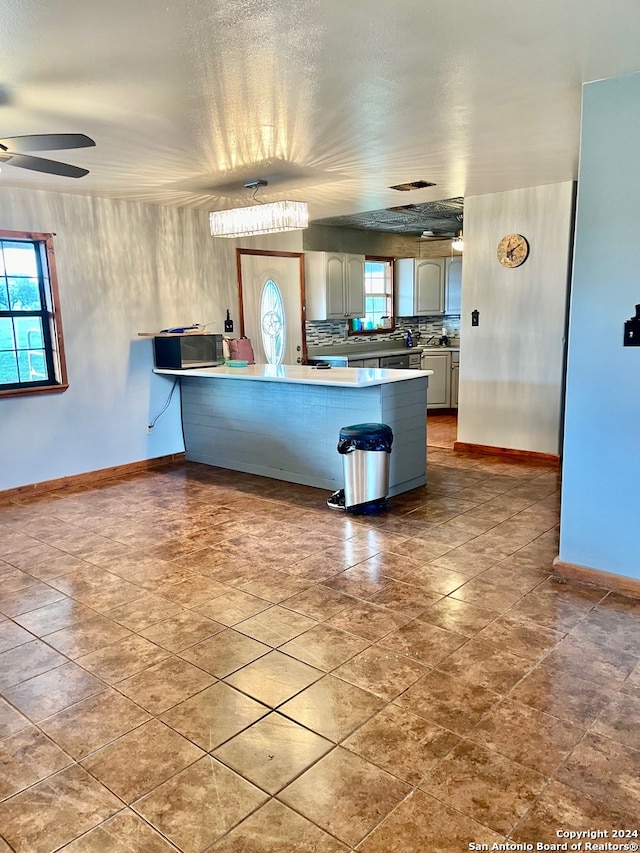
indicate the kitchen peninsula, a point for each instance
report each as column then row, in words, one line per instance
column 283, row 421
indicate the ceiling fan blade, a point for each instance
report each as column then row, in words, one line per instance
column 39, row 164
column 48, row 141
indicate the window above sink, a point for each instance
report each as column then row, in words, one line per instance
column 378, row 298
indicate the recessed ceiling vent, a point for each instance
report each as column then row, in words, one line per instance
column 412, row 185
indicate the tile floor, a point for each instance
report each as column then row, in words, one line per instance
column 443, row 428
column 197, row 660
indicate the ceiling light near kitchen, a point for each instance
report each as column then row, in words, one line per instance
column 259, row 219
column 458, row 243
column 268, row 218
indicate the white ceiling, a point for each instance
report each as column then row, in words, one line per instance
column 332, row 101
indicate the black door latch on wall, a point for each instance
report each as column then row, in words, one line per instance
column 632, row 330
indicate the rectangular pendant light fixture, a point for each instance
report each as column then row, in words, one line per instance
column 266, row 218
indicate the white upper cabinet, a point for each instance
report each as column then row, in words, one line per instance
column 453, row 284
column 420, row 286
column 332, row 271
column 334, row 285
column 354, row 286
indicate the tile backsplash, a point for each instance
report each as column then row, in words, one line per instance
column 334, row 332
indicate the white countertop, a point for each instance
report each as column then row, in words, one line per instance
column 435, row 349
column 372, row 351
column 341, row 377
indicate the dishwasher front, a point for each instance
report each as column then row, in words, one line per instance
column 396, row 362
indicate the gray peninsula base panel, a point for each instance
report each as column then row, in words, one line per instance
column 290, row 431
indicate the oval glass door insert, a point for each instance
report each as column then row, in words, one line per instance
column 272, row 322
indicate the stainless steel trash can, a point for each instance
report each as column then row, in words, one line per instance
column 366, row 453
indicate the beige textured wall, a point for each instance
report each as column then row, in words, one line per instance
column 511, row 365
column 324, row 238
column 122, row 268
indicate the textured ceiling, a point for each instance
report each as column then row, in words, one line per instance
column 332, row 102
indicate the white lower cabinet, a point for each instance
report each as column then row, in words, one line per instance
column 364, row 362
column 455, row 378
column 439, row 391
column 443, row 385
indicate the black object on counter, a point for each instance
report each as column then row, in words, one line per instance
column 181, row 352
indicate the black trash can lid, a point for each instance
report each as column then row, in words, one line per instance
column 371, row 432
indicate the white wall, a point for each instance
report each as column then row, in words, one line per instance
column 511, row 365
column 122, row 268
column 290, row 241
column 601, row 468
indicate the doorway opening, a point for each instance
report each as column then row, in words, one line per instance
column 442, row 428
column 272, row 304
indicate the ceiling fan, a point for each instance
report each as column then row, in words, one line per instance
column 44, row 142
column 430, row 235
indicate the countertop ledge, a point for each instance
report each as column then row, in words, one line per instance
column 377, row 352
column 340, row 377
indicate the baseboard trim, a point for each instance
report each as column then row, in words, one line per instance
column 597, row 578
column 74, row 480
column 524, row 455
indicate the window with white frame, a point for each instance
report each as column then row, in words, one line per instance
column 378, row 297
column 31, row 352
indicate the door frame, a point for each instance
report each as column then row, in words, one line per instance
column 303, row 305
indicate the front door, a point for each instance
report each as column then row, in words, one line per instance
column 271, row 289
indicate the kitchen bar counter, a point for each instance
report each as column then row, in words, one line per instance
column 284, row 422
column 339, row 377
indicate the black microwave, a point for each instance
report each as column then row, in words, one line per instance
column 182, row 352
